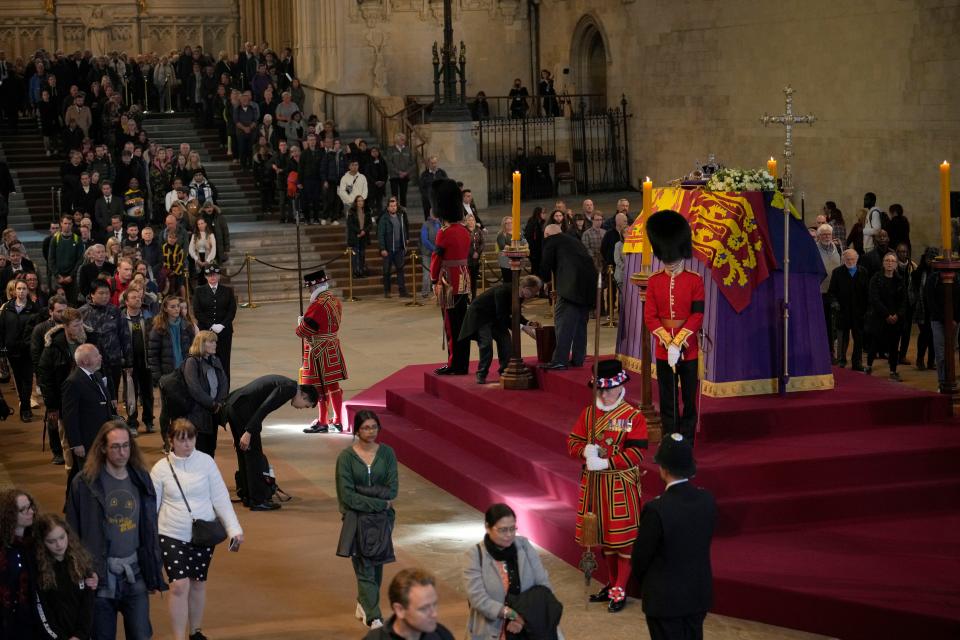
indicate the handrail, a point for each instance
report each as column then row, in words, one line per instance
column 375, row 111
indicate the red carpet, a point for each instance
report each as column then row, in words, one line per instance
column 839, row 510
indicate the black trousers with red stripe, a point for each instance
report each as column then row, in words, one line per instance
column 458, row 351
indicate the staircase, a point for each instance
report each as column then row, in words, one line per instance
column 33, row 174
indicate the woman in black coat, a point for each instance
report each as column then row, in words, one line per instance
column 208, row 386
column 169, row 346
column 359, row 229
column 17, row 318
column 533, row 232
column 375, row 170
column 886, row 313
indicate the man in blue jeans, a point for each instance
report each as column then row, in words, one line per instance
column 392, row 237
column 113, row 508
column 566, row 262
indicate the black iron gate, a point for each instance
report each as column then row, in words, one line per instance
column 527, row 145
column 601, row 151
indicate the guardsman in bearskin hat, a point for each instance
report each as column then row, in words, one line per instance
column 323, row 365
column 449, row 273
column 673, row 315
column 610, row 480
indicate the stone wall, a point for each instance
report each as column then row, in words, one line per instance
column 495, row 32
column 880, row 76
column 123, row 25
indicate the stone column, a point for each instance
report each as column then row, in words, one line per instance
column 318, row 31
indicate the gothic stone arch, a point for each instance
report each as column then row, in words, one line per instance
column 590, row 60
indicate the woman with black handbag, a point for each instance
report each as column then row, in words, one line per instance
column 195, row 514
column 508, row 589
column 366, row 488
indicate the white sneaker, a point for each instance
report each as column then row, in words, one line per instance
column 376, row 624
column 335, row 223
column 323, row 222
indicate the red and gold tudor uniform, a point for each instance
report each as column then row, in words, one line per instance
column 450, row 275
column 323, row 364
column 614, row 493
column 673, row 314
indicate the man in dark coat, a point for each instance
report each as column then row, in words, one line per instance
column 215, row 307
column 112, row 506
column 849, row 286
column 244, row 410
column 566, row 257
column 671, row 555
column 86, row 404
column 489, row 318
column 872, row 260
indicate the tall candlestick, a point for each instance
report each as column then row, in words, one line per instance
column 646, row 251
column 772, row 167
column 946, row 232
column 516, row 206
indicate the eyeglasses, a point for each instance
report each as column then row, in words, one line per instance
column 505, row 530
column 119, row 447
column 29, row 507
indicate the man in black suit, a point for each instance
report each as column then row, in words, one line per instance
column 489, row 318
column 566, row 257
column 215, row 307
column 244, row 410
column 85, row 404
column 671, row 555
column 107, row 206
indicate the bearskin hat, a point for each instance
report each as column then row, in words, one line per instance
column 670, row 236
column 446, row 200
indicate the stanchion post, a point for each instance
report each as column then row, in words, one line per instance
column 415, row 301
column 610, row 298
column 483, row 273
column 146, row 96
column 169, row 98
column 349, row 253
column 248, row 263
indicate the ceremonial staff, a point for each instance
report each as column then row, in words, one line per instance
column 590, row 533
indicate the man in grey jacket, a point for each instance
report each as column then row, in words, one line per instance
column 400, row 165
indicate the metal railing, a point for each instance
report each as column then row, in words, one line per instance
column 362, row 111
column 565, row 105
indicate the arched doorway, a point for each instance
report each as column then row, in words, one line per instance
column 589, row 59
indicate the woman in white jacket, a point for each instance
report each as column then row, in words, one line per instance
column 202, row 247
column 503, row 563
column 187, row 564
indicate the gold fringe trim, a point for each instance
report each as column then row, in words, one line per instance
column 739, row 388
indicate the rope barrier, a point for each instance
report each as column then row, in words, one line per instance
column 313, row 268
column 238, row 271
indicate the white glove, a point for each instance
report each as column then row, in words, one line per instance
column 217, row 328
column 597, row 464
column 591, row 451
column 673, row 355
column 299, row 320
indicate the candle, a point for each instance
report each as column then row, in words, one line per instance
column 516, row 206
column 645, row 249
column 772, row 167
column 946, row 233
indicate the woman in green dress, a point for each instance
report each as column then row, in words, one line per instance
column 366, row 488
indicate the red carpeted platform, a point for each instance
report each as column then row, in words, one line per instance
column 839, row 510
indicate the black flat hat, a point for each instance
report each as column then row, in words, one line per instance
column 676, row 456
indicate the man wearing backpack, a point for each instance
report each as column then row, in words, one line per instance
column 876, row 220
column 65, row 257
column 244, row 410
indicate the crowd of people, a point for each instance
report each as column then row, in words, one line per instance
column 875, row 293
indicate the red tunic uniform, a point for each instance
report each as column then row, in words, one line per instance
column 674, row 311
column 323, row 363
column 614, row 494
column 448, row 265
